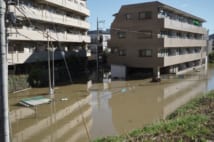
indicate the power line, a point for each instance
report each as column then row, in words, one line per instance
column 84, row 122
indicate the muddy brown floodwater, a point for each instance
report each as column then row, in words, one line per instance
column 78, row 115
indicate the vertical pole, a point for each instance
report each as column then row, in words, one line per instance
column 53, row 71
column 97, row 49
column 49, row 70
column 4, row 109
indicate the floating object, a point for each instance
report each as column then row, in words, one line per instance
column 196, row 70
column 34, row 101
column 89, row 85
column 105, row 86
column 123, row 90
column 64, row 99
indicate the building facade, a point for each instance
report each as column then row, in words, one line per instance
column 156, row 36
column 211, row 44
column 102, row 40
column 35, row 26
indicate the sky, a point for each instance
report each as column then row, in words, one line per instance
column 104, row 10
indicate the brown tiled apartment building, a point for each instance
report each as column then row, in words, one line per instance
column 156, row 36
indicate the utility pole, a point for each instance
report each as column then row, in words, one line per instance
column 4, row 109
column 98, row 43
column 97, row 61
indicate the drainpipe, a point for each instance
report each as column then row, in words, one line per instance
column 4, row 108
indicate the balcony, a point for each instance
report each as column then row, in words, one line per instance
column 28, row 56
column 29, row 34
column 181, row 26
column 182, row 42
column 173, row 60
column 47, row 16
column 74, row 5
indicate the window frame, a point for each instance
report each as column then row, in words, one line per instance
column 121, row 34
column 147, row 15
column 143, row 53
column 122, row 52
column 128, row 16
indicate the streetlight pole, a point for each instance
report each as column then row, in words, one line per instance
column 4, row 109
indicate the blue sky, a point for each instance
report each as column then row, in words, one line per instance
column 104, row 9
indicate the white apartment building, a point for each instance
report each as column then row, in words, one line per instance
column 60, row 25
column 98, row 44
column 104, row 37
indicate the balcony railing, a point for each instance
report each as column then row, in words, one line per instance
column 181, row 42
column 47, row 16
column 182, row 26
column 73, row 5
column 173, row 60
column 28, row 34
column 34, row 56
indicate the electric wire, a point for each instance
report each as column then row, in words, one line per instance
column 79, row 106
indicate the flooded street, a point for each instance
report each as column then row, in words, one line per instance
column 78, row 115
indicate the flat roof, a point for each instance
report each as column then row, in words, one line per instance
column 165, row 6
column 181, row 12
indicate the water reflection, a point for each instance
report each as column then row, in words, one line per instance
column 133, row 104
column 57, row 121
column 126, row 105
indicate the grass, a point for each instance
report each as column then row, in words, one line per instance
column 192, row 122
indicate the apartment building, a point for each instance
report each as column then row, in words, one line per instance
column 156, row 36
column 36, row 26
column 98, row 44
column 211, row 43
column 102, row 40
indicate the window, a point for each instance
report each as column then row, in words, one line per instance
column 128, row 16
column 114, row 50
column 144, row 34
column 122, row 52
column 121, row 34
column 145, row 53
column 145, row 15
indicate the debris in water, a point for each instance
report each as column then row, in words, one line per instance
column 34, row 101
column 64, row 99
column 123, row 90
